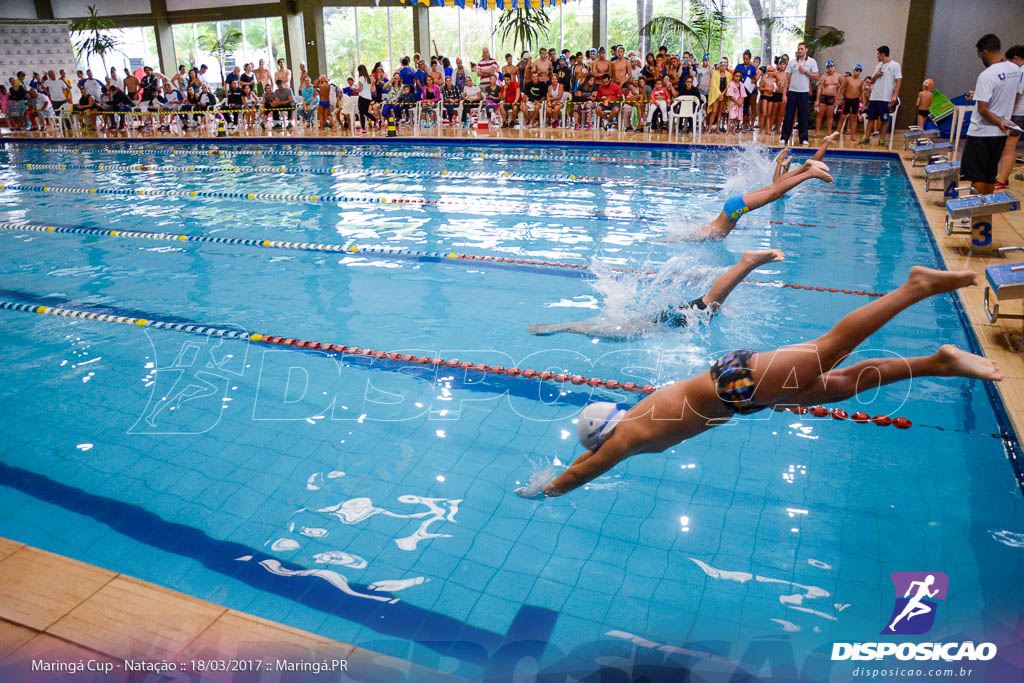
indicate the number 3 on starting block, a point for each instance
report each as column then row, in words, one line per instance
column 981, row 234
column 950, row 190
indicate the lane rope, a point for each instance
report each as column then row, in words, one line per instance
column 584, row 212
column 582, row 269
column 388, row 172
column 561, row 378
column 364, row 153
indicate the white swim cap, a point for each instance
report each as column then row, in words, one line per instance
column 597, row 422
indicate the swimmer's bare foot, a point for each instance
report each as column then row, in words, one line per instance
column 953, row 362
column 780, row 158
column 763, row 256
column 818, row 169
column 931, row 281
column 830, row 138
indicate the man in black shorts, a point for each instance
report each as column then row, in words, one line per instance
column 674, row 316
column 994, row 95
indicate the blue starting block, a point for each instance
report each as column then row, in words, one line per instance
column 946, row 175
column 976, row 211
column 914, row 135
column 1006, row 281
column 927, row 151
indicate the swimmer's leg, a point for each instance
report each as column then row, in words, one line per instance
column 781, row 374
column 724, row 285
column 826, row 141
column 947, row 361
column 767, row 195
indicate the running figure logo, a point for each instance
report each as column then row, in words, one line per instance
column 914, row 613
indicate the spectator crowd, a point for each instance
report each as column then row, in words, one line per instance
column 586, row 90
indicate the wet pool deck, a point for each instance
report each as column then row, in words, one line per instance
column 52, row 605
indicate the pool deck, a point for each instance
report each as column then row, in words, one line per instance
column 96, row 613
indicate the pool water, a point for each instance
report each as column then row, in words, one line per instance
column 373, row 502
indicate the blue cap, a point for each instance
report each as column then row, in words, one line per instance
column 706, row 57
column 830, row 63
column 858, row 67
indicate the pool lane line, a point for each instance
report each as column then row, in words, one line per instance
column 596, row 214
column 582, row 269
column 561, row 378
column 362, row 153
column 342, row 172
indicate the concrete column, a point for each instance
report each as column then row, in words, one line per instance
column 600, row 30
column 44, row 9
column 311, row 24
column 164, row 38
column 295, row 44
column 421, row 31
column 915, row 58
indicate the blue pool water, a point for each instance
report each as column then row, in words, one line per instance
column 373, row 502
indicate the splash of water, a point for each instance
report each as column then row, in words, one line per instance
column 542, row 472
column 748, row 169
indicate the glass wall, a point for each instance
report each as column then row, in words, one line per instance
column 623, row 27
column 261, row 39
column 365, row 35
column 136, row 48
column 576, row 25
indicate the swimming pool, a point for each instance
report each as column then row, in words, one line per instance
column 371, row 500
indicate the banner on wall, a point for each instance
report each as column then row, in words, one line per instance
column 36, row 46
column 485, row 4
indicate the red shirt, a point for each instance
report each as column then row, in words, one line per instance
column 612, row 91
column 511, row 91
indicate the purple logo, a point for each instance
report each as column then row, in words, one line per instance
column 916, row 595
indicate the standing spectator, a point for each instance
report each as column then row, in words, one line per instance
column 264, row 83
column 828, row 91
column 17, row 105
column 885, row 90
column 180, row 80
column 704, row 75
column 485, row 68
column 91, row 85
column 115, row 79
column 924, row 102
column 366, row 97
column 851, row 89
column 54, row 89
column 131, row 87
column 748, row 71
column 802, row 71
column 994, row 95
column 1016, row 55
column 283, row 74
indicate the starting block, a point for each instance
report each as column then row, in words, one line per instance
column 926, row 149
column 977, row 211
column 946, row 174
column 914, row 135
column 1006, row 281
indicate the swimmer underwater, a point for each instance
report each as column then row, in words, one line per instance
column 745, row 382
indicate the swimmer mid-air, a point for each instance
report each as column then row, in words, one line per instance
column 915, row 607
column 783, row 181
column 675, row 316
column 744, row 382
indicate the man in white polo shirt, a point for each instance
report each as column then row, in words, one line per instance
column 885, row 90
column 994, row 97
column 1016, row 55
column 804, row 70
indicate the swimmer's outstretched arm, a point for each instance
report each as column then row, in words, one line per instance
column 727, row 282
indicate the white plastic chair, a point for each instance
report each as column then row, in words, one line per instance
column 67, row 120
column 350, row 108
column 685, row 107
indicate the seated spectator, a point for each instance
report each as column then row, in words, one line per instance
column 118, row 101
column 40, row 110
column 452, row 96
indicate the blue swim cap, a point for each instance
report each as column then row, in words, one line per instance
column 858, row 68
column 708, row 57
column 830, row 63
